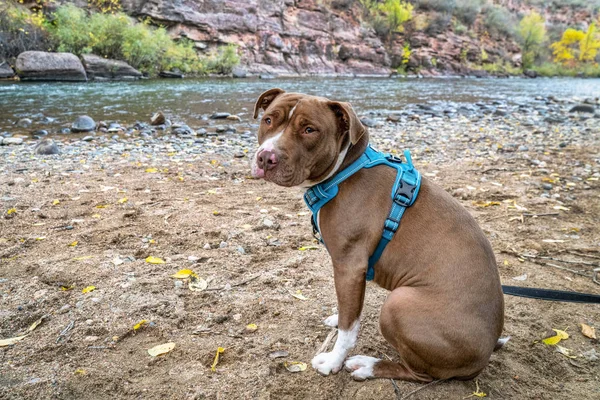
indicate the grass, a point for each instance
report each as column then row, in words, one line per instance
column 553, row 69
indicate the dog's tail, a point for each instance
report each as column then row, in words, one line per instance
column 501, row 342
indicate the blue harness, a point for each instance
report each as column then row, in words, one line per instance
column 404, row 193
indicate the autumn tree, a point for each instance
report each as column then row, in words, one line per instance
column 397, row 13
column 532, row 33
column 577, row 46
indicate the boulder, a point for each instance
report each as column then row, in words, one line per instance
column 157, row 119
column 46, row 147
column 530, row 73
column 12, row 140
column 102, row 68
column 171, row 74
column 239, row 72
column 43, row 66
column 83, row 124
column 5, row 70
column 584, row 108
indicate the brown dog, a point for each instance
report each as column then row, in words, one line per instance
column 445, row 311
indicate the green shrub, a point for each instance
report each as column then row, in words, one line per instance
column 553, row 69
column 459, row 28
column 21, row 30
column 499, row 21
column 444, row 6
column 532, row 33
column 439, row 24
column 466, row 11
column 223, row 61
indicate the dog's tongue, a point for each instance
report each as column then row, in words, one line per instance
column 258, row 173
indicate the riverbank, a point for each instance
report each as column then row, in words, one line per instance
column 93, row 214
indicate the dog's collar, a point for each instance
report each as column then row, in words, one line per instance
column 404, row 193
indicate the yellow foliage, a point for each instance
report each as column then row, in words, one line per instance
column 577, row 46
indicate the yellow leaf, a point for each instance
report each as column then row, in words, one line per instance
column 154, row 260
column 35, row 324
column 304, row 248
column 251, row 327
column 88, row 289
column 548, row 180
column 55, row 202
column 151, row 170
column 183, row 273
column 123, row 200
column 213, row 367
column 552, row 340
column 96, row 216
column 216, row 212
column 197, row 284
column 151, row 241
column 11, row 341
column 588, row 331
column 295, row 366
column 80, row 371
column 103, row 205
column 65, row 288
column 41, row 238
column 212, row 191
column 299, row 295
column 561, row 208
column 140, row 324
column 161, row 349
column 82, row 258
column 11, row 211
column 74, row 244
column 562, row 334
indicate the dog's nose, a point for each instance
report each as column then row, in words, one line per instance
column 267, row 160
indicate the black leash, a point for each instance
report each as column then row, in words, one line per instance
column 551, row 295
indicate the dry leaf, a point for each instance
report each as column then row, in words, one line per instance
column 80, row 371
column 88, row 289
column 213, row 367
column 75, row 243
column 65, row 288
column 588, row 331
column 35, row 325
column 251, row 327
column 564, row 351
column 55, row 202
column 82, row 258
column 11, row 341
column 154, row 260
column 151, row 170
column 304, row 248
column 161, row 349
column 123, row 200
column 295, row 366
column 197, row 284
column 561, row 208
column 183, row 273
column 486, row 203
column 562, row 334
column 299, row 295
column 11, row 211
column 554, row 340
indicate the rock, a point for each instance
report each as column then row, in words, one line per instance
column 583, row 108
column 266, row 76
column 239, row 72
column 220, row 115
column 182, row 130
column 530, row 73
column 157, row 119
column 64, row 309
column 370, row 123
column 5, row 70
column 11, row 140
column 171, row 74
column 591, row 355
column 234, row 118
column 88, row 138
column 83, row 124
column 24, row 123
column 43, row 66
column 546, row 186
column 393, row 118
column 523, row 148
column 40, row 133
column 103, row 68
column 46, row 147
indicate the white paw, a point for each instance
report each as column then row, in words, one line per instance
column 361, row 367
column 331, row 321
column 327, row 363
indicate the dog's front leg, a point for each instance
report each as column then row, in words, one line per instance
column 349, row 276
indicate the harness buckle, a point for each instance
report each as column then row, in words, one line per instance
column 405, row 193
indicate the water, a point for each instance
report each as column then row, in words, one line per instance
column 188, row 99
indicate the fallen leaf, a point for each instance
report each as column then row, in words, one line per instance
column 588, row 331
column 96, row 216
column 304, row 248
column 161, row 349
column 123, row 200
column 11, row 211
column 103, row 205
column 216, row 212
column 154, row 260
column 151, row 170
column 140, row 324
column 197, row 284
column 66, row 288
column 55, row 202
column 183, row 273
column 561, row 208
column 554, row 340
column 88, row 289
column 299, row 295
column 553, row 241
column 35, row 324
column 486, row 203
column 520, row 277
column 213, row 367
column 278, row 354
column 477, row 392
column 295, row 366
column 80, row 371
column 82, row 258
column 74, row 244
column 251, row 327
column 562, row 334
column 11, row 341
column 564, row 351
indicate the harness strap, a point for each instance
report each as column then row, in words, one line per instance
column 404, row 193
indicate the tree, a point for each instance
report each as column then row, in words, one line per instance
column 589, row 44
column 577, row 46
column 532, row 33
column 397, row 13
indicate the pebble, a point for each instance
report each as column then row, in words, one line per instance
column 83, row 124
column 24, row 123
column 89, row 321
column 206, row 246
column 220, row 115
column 12, row 141
column 178, row 284
column 222, row 245
column 268, row 223
column 546, row 186
column 241, row 250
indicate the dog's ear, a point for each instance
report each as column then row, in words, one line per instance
column 348, row 119
column 265, row 99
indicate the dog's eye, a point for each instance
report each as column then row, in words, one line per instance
column 268, row 121
column 309, row 130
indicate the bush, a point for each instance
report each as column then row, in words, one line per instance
column 467, row 11
column 444, row 6
column 439, row 24
column 499, row 21
column 21, row 31
column 551, row 69
column 532, row 33
column 223, row 61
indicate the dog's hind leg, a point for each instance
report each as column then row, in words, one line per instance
column 364, row 367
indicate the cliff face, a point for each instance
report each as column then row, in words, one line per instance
column 276, row 36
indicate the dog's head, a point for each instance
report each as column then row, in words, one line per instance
column 303, row 139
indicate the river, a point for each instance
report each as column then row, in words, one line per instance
column 189, row 99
